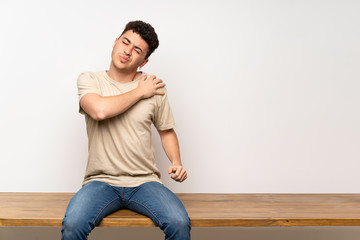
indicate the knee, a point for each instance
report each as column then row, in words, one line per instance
column 179, row 226
column 75, row 228
column 182, row 223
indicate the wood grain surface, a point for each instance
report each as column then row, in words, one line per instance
column 205, row 210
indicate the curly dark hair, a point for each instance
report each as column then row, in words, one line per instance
column 146, row 31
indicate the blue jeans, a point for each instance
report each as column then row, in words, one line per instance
column 96, row 200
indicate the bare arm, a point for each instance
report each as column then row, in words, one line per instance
column 103, row 107
column 170, row 144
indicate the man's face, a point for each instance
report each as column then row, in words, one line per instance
column 129, row 52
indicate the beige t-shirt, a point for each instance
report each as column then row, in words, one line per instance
column 120, row 148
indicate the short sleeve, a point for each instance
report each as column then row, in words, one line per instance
column 163, row 119
column 86, row 83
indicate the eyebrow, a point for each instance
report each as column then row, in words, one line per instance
column 137, row 47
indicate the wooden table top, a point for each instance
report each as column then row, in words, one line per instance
column 205, row 210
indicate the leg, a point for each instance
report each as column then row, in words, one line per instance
column 87, row 208
column 163, row 207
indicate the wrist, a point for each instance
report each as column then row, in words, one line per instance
column 138, row 94
column 176, row 163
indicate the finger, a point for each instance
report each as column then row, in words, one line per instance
column 161, row 85
column 143, row 78
column 177, row 175
column 159, row 93
column 184, row 177
column 158, row 81
column 181, row 179
column 178, row 171
column 174, row 176
column 152, row 77
column 170, row 169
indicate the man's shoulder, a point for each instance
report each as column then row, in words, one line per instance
column 162, row 89
column 97, row 74
column 90, row 77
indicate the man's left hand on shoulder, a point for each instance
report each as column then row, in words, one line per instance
column 179, row 173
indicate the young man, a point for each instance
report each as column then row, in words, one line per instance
column 119, row 106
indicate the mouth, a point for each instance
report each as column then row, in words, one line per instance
column 124, row 59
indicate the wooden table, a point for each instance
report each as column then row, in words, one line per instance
column 205, row 210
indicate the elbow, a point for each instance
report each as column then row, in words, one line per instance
column 98, row 117
column 98, row 114
column 93, row 105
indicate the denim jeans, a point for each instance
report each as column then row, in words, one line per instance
column 96, row 200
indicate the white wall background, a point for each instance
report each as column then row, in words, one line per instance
column 265, row 93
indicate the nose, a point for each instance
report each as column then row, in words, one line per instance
column 127, row 50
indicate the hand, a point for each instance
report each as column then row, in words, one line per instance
column 180, row 173
column 148, row 86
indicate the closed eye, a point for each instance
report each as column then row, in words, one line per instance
column 126, row 41
column 138, row 50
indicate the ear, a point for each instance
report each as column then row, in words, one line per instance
column 144, row 62
column 116, row 39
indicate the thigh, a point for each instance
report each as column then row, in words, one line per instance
column 92, row 203
column 157, row 202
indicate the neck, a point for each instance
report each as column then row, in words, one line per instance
column 122, row 76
